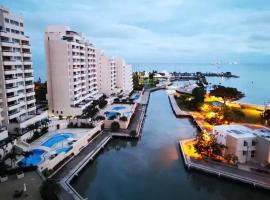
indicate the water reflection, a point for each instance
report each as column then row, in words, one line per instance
column 152, row 167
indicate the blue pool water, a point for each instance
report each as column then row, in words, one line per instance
column 118, row 108
column 33, row 159
column 63, row 150
column 111, row 115
column 56, row 139
column 136, row 97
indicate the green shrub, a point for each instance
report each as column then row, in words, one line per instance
column 123, row 118
column 100, row 117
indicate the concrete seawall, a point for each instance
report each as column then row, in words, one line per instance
column 189, row 164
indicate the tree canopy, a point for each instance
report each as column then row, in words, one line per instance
column 198, row 94
column 227, row 93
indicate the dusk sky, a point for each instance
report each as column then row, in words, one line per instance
column 155, row 31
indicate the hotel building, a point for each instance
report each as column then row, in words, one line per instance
column 123, row 75
column 71, row 71
column 106, row 73
column 16, row 71
column 78, row 73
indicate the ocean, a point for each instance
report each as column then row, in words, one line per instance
column 254, row 79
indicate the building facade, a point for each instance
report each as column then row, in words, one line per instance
column 239, row 140
column 123, row 75
column 106, row 73
column 71, row 71
column 16, row 71
column 78, row 73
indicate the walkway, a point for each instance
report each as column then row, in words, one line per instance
column 221, row 170
column 177, row 111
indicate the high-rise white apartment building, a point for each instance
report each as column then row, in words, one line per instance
column 71, row 71
column 123, row 75
column 106, row 73
column 16, row 73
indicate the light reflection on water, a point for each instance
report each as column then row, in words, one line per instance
column 152, row 167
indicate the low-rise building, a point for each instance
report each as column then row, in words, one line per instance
column 263, row 146
column 239, row 141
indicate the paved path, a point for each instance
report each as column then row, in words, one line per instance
column 177, row 111
column 76, row 159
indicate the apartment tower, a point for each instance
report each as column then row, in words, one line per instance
column 71, row 71
column 16, row 72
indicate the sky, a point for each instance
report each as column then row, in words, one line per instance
column 155, row 31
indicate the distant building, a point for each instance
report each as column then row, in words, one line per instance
column 106, row 73
column 17, row 81
column 78, row 73
column 123, row 75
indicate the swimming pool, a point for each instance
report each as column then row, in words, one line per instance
column 56, row 139
column 111, row 115
column 136, row 97
column 62, row 150
column 119, row 108
column 33, row 159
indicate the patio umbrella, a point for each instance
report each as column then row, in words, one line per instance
column 70, row 139
column 24, row 187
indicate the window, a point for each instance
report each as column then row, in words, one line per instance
column 245, row 143
column 253, row 143
column 244, row 153
column 6, row 20
column 252, row 154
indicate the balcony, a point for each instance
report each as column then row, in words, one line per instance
column 30, row 94
column 11, row 53
column 14, row 106
column 27, row 54
column 33, row 100
column 26, row 46
column 27, row 62
column 12, row 62
column 29, row 86
column 14, row 114
column 11, row 89
column 29, row 78
column 28, row 70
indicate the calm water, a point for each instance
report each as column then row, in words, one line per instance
column 254, row 79
column 152, row 168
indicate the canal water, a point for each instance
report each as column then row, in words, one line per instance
column 152, row 167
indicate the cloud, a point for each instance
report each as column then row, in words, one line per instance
column 155, row 30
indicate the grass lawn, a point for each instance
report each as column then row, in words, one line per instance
column 251, row 116
column 182, row 102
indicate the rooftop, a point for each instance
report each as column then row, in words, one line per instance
column 237, row 131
